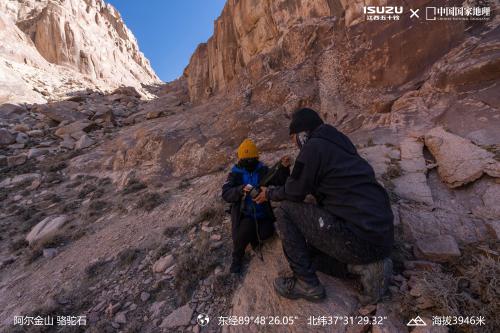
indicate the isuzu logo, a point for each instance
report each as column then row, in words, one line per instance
column 383, row 10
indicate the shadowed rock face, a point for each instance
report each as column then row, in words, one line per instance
column 253, row 39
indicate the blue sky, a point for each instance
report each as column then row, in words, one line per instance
column 168, row 31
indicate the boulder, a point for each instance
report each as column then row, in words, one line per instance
column 22, row 138
column 179, row 317
column 19, row 179
column 16, row 146
column 62, row 111
column 36, row 152
column 256, row 296
column 440, row 248
column 16, row 160
column 21, row 128
column 120, row 318
column 459, row 160
column 46, row 230
column 421, row 222
column 412, row 184
column 67, row 143
column 84, row 142
column 35, row 133
column 6, row 138
column 76, row 129
column 127, row 91
column 380, row 157
column 50, row 253
column 145, row 296
column 491, row 202
column 11, row 111
column 391, row 322
column 156, row 308
column 494, row 228
column 106, row 117
column 153, row 114
column 163, row 263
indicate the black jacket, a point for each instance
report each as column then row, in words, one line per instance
column 329, row 168
column 232, row 190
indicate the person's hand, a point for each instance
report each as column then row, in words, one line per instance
column 247, row 188
column 286, row 161
column 262, row 197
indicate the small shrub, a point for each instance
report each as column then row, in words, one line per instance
column 87, row 189
column 194, row 264
column 170, row 231
column 133, row 186
column 34, row 255
column 127, row 256
column 19, row 244
column 162, row 250
column 207, row 214
column 393, row 171
column 185, row 183
column 58, row 166
column 96, row 268
column 98, row 205
column 150, row 201
column 55, row 242
column 71, row 206
column 54, row 198
column 475, row 293
column 26, row 213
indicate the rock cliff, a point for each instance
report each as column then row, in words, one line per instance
column 66, row 45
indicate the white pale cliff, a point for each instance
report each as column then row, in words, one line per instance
column 53, row 47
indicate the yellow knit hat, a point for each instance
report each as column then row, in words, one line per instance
column 247, row 149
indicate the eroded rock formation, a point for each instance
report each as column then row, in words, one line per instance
column 67, row 45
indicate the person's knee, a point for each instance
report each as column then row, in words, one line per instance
column 284, row 210
column 285, row 218
column 281, row 217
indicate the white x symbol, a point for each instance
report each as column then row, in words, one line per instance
column 414, row 13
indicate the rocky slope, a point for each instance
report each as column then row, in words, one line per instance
column 53, row 47
column 111, row 206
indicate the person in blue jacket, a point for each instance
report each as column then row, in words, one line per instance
column 251, row 222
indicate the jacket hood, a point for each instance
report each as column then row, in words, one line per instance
column 331, row 134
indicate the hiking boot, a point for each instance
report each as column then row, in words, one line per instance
column 236, row 266
column 294, row 288
column 374, row 278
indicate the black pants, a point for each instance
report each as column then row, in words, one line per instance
column 311, row 237
column 245, row 232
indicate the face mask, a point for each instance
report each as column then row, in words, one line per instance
column 249, row 164
column 301, row 138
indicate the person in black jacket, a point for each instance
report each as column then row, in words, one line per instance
column 251, row 222
column 351, row 223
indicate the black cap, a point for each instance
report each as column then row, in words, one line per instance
column 305, row 120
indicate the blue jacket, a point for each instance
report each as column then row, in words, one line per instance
column 232, row 191
column 251, row 209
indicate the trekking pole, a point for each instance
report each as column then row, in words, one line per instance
column 259, row 247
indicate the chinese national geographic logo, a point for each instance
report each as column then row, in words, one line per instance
column 395, row 13
column 457, row 13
